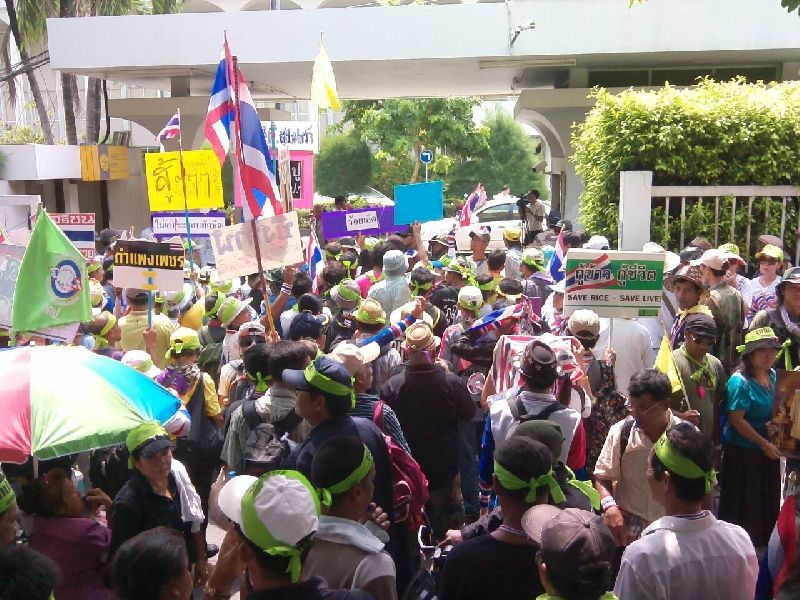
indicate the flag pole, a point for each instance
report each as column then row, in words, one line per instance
column 243, row 177
column 149, row 309
column 185, row 196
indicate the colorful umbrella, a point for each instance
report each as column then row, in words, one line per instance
column 59, row 400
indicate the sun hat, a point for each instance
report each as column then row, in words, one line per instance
column 770, row 251
column 570, row 539
column 597, row 242
column 355, row 357
column 690, row 274
column 533, row 257
column 763, row 337
column 731, row 252
column 142, row 362
column 400, row 313
column 231, row 308
column 278, row 512
column 713, row 258
column 370, row 312
column 771, row 239
column 223, row 286
column 182, row 339
column 146, row 440
column 182, row 298
column 512, row 234
column 538, row 359
column 671, row 261
column 483, row 232
column 346, row 294
column 439, row 239
column 7, row 495
column 306, row 325
column 420, row 338
column 470, row 299
column 584, row 321
column 395, row 263
column 348, row 243
column 325, row 374
column 791, row 276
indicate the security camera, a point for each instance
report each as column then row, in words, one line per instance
column 540, row 166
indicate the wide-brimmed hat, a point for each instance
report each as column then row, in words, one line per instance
column 395, row 263
column 483, row 232
column 713, row 259
column 690, row 274
column 597, row 242
column 420, row 338
column 346, row 294
column 671, row 260
column 763, row 337
column 771, row 239
column 370, row 312
column 791, row 276
column 231, row 308
column 355, row 357
column 182, row 299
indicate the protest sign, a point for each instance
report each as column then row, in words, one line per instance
column 164, row 185
column 508, row 355
column 785, row 430
column 167, row 224
column 79, row 228
column 418, row 202
column 362, row 221
column 148, row 265
column 279, row 242
column 614, row 283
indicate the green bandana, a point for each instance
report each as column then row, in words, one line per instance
column 262, row 383
column 210, row 314
column 93, row 267
column 362, row 470
column 418, row 289
column 257, row 533
column 364, row 316
column 680, row 465
column 346, row 293
column 326, row 384
column 703, row 368
column 140, row 434
column 584, row 487
column 7, row 497
column 511, row 482
column 100, row 340
column 489, row 286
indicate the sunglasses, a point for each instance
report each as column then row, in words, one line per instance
column 703, row 340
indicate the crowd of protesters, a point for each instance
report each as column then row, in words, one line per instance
column 335, row 409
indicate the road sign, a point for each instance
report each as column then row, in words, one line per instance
column 79, row 228
column 426, row 157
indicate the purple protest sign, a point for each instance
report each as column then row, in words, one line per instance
column 361, row 221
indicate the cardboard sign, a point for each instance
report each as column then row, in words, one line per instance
column 203, row 180
column 614, row 283
column 362, row 221
column 418, row 202
column 785, row 428
column 278, row 239
column 167, row 224
column 148, row 265
column 79, row 228
column 103, row 162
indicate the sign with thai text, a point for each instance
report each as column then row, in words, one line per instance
column 79, row 228
column 167, row 224
column 362, row 221
column 296, row 135
column 278, row 239
column 614, row 283
column 148, row 265
column 165, row 188
column 102, row 162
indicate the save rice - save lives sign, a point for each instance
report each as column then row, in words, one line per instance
column 614, row 283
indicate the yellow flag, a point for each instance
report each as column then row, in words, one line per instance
column 666, row 364
column 323, row 82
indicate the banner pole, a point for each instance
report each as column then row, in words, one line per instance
column 185, row 196
column 149, row 309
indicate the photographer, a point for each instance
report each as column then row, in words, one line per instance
column 532, row 211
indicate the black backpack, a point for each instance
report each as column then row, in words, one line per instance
column 265, row 448
column 521, row 415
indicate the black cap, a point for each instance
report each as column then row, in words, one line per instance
column 701, row 324
column 538, row 359
column 153, row 446
column 332, row 369
column 306, row 325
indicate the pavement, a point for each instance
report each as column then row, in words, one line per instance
column 214, row 535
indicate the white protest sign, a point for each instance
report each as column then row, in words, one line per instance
column 362, row 220
column 278, row 239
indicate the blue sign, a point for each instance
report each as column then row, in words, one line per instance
column 418, row 202
column 426, row 156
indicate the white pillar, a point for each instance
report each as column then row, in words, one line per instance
column 71, row 204
column 635, row 195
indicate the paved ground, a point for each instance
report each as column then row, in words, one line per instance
column 214, row 535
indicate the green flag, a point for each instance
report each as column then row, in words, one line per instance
column 52, row 285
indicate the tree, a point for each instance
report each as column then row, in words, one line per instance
column 344, row 164
column 36, row 92
column 791, row 5
column 507, row 159
column 406, row 127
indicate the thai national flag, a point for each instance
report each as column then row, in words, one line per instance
column 557, row 260
column 465, row 214
column 495, row 319
column 313, row 258
column 780, row 551
column 221, row 106
column 171, row 130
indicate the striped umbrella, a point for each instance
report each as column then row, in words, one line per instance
column 59, row 400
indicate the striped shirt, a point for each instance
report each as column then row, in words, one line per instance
column 365, row 403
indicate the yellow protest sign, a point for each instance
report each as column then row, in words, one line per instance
column 103, row 162
column 203, row 180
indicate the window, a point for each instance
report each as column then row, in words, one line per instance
column 501, row 212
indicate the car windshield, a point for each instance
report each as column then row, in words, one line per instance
column 500, row 212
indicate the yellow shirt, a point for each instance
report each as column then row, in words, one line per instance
column 133, row 326
column 193, row 318
column 209, row 394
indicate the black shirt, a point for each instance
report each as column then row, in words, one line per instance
column 484, row 568
column 312, row 589
column 138, row 508
column 446, row 300
column 429, row 403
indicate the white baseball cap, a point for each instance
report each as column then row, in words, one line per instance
column 713, row 258
column 355, row 357
column 597, row 242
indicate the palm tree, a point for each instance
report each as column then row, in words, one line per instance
column 36, row 92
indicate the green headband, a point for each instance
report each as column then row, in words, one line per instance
column 350, row 265
column 333, row 256
column 93, row 267
column 680, row 465
column 7, row 496
column 262, row 383
column 363, row 316
column 142, row 434
column 416, row 288
column 217, row 305
column 100, row 340
column 489, row 286
column 347, row 294
column 257, row 533
column 473, row 307
column 362, row 470
column 511, row 482
column 326, row 384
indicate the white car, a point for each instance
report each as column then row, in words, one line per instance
column 497, row 214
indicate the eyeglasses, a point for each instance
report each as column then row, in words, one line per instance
column 632, row 409
column 251, row 340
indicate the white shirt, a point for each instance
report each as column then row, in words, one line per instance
column 631, row 342
column 678, row 558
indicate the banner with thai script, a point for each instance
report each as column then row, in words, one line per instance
column 79, row 228
column 362, row 221
column 167, row 224
column 614, row 283
column 296, row 135
column 148, row 265
column 278, row 239
column 164, row 185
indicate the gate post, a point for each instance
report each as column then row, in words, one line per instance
column 635, row 212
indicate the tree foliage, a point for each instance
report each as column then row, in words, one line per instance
column 404, row 127
column 791, row 5
column 343, row 165
column 729, row 133
column 507, row 159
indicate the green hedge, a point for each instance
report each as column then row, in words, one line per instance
column 729, row 133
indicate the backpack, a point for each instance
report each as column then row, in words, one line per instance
column 265, row 444
column 410, row 483
column 210, row 356
column 521, row 415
